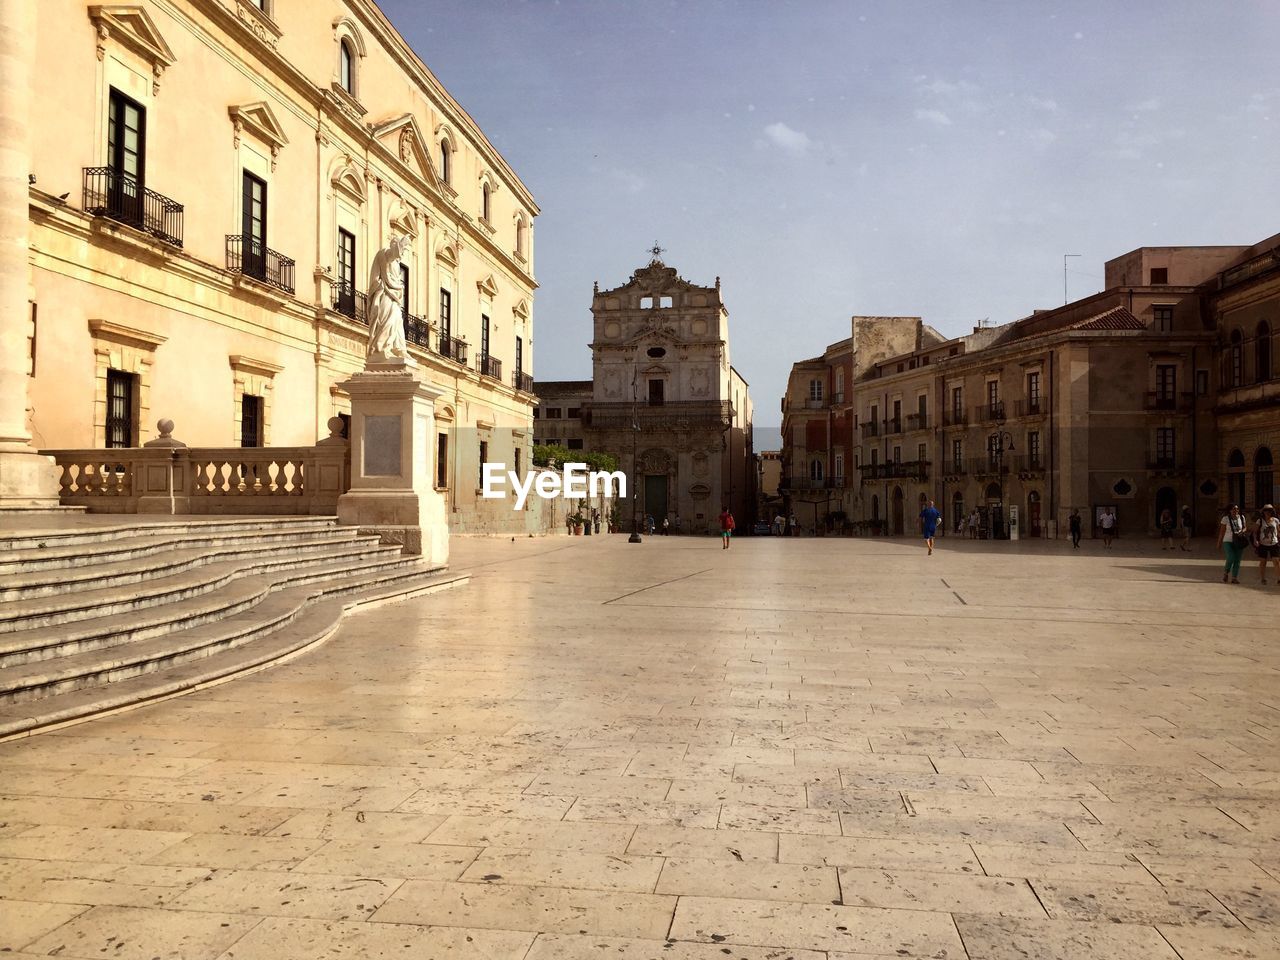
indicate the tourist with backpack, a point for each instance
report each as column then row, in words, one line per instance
column 1233, row 537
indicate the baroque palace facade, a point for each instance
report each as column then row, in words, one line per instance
column 1157, row 393
column 664, row 398
column 210, row 180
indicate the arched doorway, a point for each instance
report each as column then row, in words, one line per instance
column 1235, row 478
column 995, row 512
column 898, row 529
column 1033, row 514
column 1167, row 499
column 1263, row 478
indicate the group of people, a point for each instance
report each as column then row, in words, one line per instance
column 651, row 526
column 1236, row 535
column 782, row 525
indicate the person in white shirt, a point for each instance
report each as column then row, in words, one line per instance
column 1108, row 524
column 1266, row 537
column 1233, row 536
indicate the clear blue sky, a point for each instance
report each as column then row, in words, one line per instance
column 834, row 157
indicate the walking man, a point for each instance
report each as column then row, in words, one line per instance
column 1266, row 536
column 1074, row 522
column 726, row 527
column 929, row 518
column 1108, row 524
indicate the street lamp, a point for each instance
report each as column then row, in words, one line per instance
column 998, row 447
column 635, row 466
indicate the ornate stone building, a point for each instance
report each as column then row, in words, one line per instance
column 209, row 183
column 663, row 386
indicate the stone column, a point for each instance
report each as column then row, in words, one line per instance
column 26, row 478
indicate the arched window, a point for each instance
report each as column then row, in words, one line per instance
column 522, row 237
column 1235, row 373
column 484, row 202
column 815, row 469
column 1262, row 353
column 1235, row 478
column 1264, row 478
column 445, row 173
column 347, row 67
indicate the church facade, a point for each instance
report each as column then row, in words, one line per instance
column 666, row 400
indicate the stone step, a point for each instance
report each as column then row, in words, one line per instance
column 87, row 604
column 55, row 538
column 117, row 572
column 36, row 559
column 317, row 612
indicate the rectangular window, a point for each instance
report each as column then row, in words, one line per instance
column 1165, row 446
column 484, row 336
column 957, row 403
column 922, row 452
column 446, row 313
column 346, row 272
column 1159, row 276
column 574, row 413
column 519, row 354
column 253, row 225
column 1166, row 384
column 1163, row 317
column 442, row 460
column 815, row 389
column 1033, row 391
column 922, row 407
column 553, row 413
column 657, row 389
column 875, row 457
column 957, row 453
column 839, row 474
column 126, row 158
column 840, row 380
column 897, row 454
column 897, row 415
column 993, row 393
column 994, row 450
column 119, row 409
column 484, row 458
column 1033, row 448
column 250, row 421
column 1202, row 383
column 404, row 297
column 875, row 416
column 574, row 444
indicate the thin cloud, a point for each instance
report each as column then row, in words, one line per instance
column 794, row 142
column 934, row 116
column 1047, row 104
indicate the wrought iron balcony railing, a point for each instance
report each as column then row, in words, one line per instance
column 417, row 331
column 989, row 411
column 954, row 468
column 988, row 466
column 954, row 418
column 250, row 257
column 1025, row 463
column 522, row 381
column 623, row 414
column 892, row 425
column 1031, row 407
column 110, row 193
column 917, row 421
column 895, row 470
column 1168, row 462
column 349, row 302
column 1169, row 400
column 870, row 430
column 490, row 367
column 453, row 348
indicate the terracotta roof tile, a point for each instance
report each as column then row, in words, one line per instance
column 1117, row 318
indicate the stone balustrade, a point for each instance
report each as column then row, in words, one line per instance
column 166, row 476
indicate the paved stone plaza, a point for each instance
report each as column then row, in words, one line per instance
column 796, row 749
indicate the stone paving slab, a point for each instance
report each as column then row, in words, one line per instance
column 817, row 749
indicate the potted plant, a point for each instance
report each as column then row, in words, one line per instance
column 577, row 519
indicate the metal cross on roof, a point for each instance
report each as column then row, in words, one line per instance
column 657, row 251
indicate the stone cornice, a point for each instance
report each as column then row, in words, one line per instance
column 114, row 332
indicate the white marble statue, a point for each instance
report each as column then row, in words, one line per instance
column 386, row 305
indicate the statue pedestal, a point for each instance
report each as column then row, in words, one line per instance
column 393, row 449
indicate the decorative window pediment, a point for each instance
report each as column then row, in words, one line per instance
column 260, row 120
column 132, row 27
column 521, row 309
column 348, row 180
column 447, row 254
column 404, row 138
column 403, row 219
column 488, row 286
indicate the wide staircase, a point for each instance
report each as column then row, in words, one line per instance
column 99, row 619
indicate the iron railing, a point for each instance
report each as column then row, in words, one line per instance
column 250, row 257
column 1025, row 463
column 110, row 193
column 989, row 411
column 1176, row 462
column 893, row 425
column 917, row 421
column 1168, row 400
column 1031, row 407
column 870, row 430
column 349, row 302
column 988, row 466
column 522, row 381
column 453, row 348
column 954, row 468
column 895, row 470
column 954, row 418
column 490, row 366
column 675, row 413
column 417, row 331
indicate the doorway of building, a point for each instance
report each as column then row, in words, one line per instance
column 995, row 512
column 958, row 518
column 1033, row 514
column 655, row 497
column 897, row 512
column 1167, row 499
